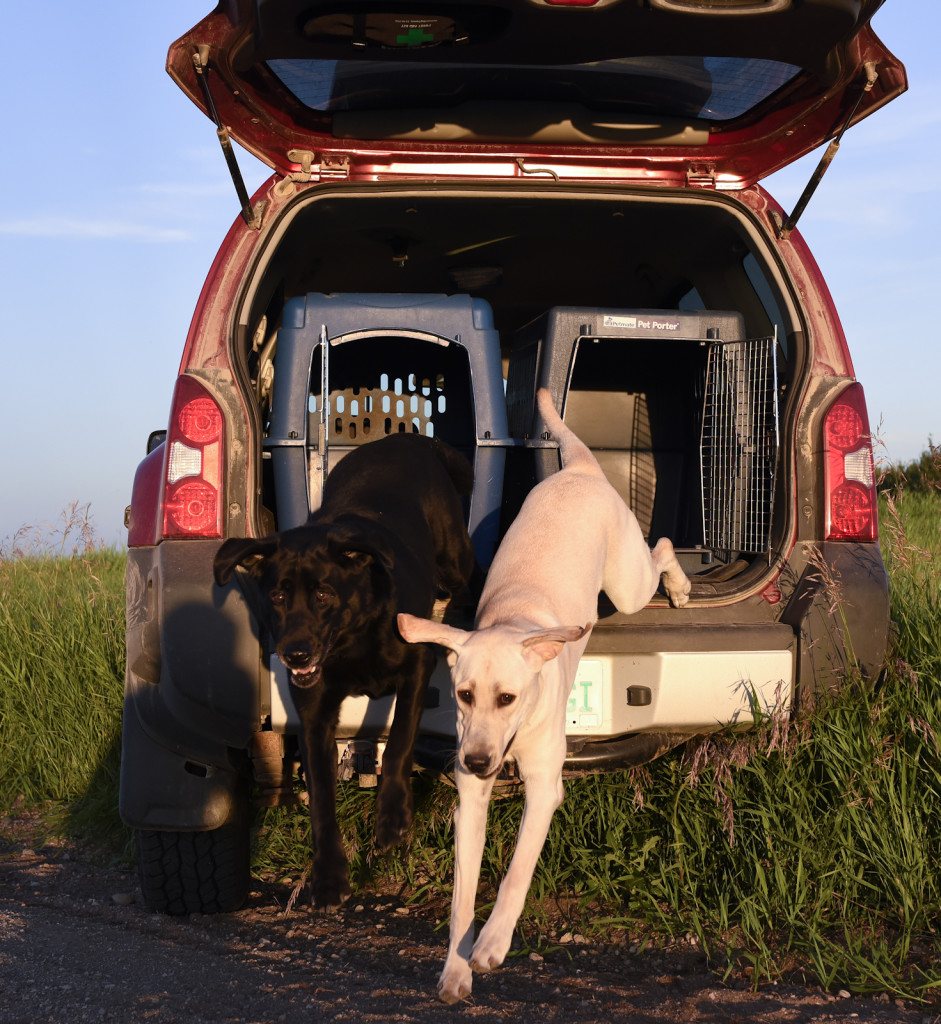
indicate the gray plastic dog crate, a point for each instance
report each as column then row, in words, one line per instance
column 426, row 364
column 679, row 409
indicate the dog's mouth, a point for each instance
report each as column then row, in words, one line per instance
column 306, row 677
column 305, row 671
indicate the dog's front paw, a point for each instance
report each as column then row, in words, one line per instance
column 392, row 828
column 393, row 814
column 329, row 899
column 455, row 982
column 329, row 893
column 490, row 950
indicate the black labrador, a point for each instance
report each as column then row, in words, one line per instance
column 388, row 537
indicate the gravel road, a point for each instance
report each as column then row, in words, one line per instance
column 76, row 946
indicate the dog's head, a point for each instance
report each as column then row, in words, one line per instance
column 496, row 676
column 316, row 586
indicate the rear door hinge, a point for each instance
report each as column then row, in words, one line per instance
column 332, row 166
column 701, row 176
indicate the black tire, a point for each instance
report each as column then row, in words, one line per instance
column 194, row 872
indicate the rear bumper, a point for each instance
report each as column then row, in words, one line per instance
column 654, row 701
column 678, row 691
column 688, row 691
column 197, row 690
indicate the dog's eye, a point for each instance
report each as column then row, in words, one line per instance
column 506, row 699
column 465, row 696
column 321, row 596
column 277, row 597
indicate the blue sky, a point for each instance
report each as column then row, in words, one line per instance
column 116, row 197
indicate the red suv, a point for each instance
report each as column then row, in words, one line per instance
column 470, row 201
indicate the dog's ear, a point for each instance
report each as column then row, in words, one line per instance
column 425, row 631
column 543, row 646
column 238, row 551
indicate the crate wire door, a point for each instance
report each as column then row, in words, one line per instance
column 739, row 446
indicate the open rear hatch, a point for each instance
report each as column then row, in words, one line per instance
column 726, row 91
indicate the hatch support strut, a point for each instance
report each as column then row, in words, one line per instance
column 252, row 217
column 790, row 222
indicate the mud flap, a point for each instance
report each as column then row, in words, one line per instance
column 167, row 789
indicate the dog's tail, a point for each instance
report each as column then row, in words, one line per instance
column 457, row 466
column 572, row 449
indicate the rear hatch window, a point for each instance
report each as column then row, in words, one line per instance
column 709, row 88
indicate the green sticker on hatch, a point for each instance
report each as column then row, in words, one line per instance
column 414, row 31
column 389, row 31
column 415, row 36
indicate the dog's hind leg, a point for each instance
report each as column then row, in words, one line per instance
column 470, row 829
column 675, row 581
column 632, row 572
column 543, row 796
column 394, row 803
column 457, row 571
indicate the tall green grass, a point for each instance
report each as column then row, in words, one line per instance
column 61, row 665
column 808, row 849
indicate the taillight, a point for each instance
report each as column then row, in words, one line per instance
column 850, row 476
column 193, row 494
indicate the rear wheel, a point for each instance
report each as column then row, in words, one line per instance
column 194, row 872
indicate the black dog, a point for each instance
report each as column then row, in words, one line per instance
column 388, row 536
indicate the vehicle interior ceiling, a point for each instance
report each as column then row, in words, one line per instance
column 524, row 254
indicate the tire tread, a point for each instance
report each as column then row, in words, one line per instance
column 194, row 872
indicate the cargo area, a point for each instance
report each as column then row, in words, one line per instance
column 668, row 351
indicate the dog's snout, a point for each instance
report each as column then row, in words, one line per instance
column 297, row 655
column 477, row 764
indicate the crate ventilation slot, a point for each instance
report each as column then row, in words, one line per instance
column 409, row 404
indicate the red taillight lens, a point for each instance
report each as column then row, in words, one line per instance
column 850, row 475
column 201, row 421
column 192, row 504
column 194, row 508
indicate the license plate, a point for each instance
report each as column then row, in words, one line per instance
column 586, row 706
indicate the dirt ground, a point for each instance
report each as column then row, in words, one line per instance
column 76, row 945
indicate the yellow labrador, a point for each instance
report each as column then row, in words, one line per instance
column 513, row 674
